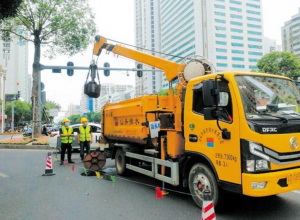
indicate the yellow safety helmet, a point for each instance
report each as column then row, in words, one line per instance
column 65, row 120
column 83, row 120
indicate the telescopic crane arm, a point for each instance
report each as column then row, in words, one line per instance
column 171, row 69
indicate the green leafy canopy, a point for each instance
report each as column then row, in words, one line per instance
column 63, row 26
column 22, row 111
column 52, row 105
column 280, row 63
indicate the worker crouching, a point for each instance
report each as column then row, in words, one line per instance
column 66, row 135
column 84, row 137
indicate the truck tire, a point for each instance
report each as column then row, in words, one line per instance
column 201, row 178
column 120, row 162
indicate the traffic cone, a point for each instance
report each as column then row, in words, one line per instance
column 208, row 211
column 159, row 193
column 49, row 167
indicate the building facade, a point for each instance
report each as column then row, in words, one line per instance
column 73, row 110
column 290, row 35
column 147, row 36
column 271, row 46
column 14, row 59
column 116, row 97
column 227, row 32
column 85, row 103
column 107, row 92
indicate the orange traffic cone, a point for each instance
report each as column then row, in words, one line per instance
column 49, row 166
column 208, row 211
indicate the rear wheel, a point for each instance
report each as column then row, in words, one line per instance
column 200, row 179
column 120, row 162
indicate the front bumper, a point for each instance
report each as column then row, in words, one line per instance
column 277, row 183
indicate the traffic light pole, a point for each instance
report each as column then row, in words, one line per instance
column 42, row 67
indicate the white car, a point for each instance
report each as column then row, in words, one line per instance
column 54, row 140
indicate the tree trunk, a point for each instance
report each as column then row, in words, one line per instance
column 35, row 85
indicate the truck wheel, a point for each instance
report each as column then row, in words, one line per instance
column 120, row 162
column 200, row 179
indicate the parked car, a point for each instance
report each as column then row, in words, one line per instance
column 54, row 140
column 49, row 128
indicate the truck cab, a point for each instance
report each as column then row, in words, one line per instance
column 261, row 113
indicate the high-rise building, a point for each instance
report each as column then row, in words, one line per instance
column 290, row 35
column 107, row 90
column 147, row 36
column 227, row 32
column 73, row 110
column 116, row 97
column 14, row 59
column 86, row 103
column 271, row 46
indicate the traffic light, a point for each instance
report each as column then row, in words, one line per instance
column 18, row 95
column 10, row 119
column 69, row 71
column 139, row 73
column 106, row 72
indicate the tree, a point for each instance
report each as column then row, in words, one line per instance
column 22, row 111
column 166, row 92
column 51, row 105
column 96, row 117
column 9, row 8
column 75, row 119
column 0, row 101
column 280, row 63
column 62, row 26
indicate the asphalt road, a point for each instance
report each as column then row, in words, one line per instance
column 26, row 194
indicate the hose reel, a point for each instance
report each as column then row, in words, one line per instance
column 195, row 66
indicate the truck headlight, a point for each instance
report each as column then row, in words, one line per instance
column 253, row 149
column 261, row 165
column 253, row 157
column 250, row 165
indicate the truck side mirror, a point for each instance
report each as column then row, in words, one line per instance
column 211, row 113
column 210, row 93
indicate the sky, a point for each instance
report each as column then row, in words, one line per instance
column 115, row 20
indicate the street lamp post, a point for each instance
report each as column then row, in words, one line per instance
column 2, row 82
column 13, row 115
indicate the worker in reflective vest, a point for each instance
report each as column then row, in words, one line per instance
column 84, row 137
column 66, row 137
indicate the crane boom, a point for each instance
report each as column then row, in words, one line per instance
column 170, row 68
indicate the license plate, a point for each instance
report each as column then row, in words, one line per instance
column 293, row 178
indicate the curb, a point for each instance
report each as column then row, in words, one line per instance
column 27, row 147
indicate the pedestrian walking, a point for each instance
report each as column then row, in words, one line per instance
column 66, row 135
column 84, row 137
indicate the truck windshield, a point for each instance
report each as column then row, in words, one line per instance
column 269, row 98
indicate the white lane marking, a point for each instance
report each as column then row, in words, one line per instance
column 298, row 192
column 3, row 175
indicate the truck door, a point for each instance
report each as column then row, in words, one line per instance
column 205, row 138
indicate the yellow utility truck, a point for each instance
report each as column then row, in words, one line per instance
column 226, row 131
